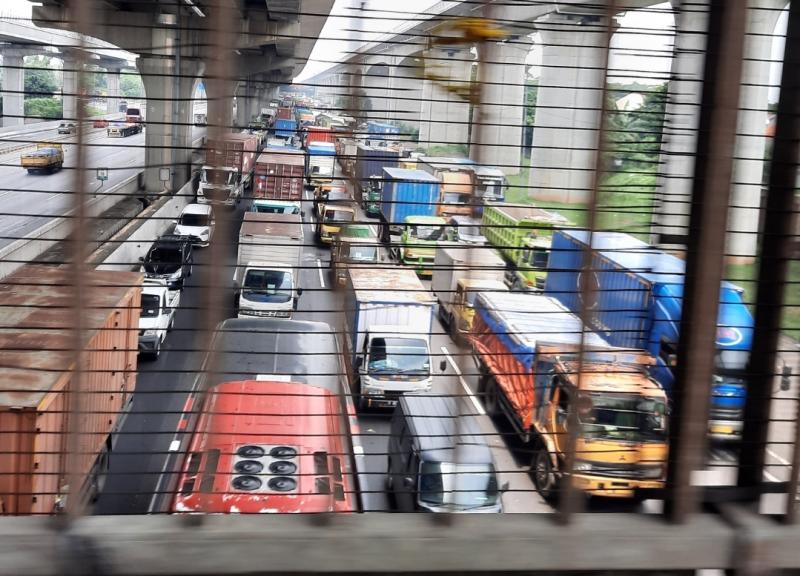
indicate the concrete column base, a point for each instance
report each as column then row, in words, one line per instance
column 112, row 90
column 444, row 117
column 69, row 88
column 13, row 90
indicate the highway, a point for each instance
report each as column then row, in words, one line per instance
column 30, row 200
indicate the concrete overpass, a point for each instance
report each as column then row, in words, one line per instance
column 20, row 38
column 569, row 104
column 176, row 42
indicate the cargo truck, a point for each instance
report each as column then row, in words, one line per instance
column 522, row 235
column 346, row 149
column 490, row 186
column 405, row 193
column 386, row 337
column 285, row 128
column 228, row 169
column 637, row 303
column 268, row 264
column 313, row 134
column 526, row 347
column 371, row 162
column 421, row 235
column 320, row 161
column 380, row 130
column 458, row 184
column 459, row 275
column 36, row 367
column 279, row 176
column 47, row 158
column 334, row 210
column 355, row 246
column 123, row 129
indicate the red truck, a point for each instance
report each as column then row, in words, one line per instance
column 279, row 181
column 228, row 169
column 313, row 134
column 284, row 113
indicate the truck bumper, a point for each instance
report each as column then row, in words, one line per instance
column 147, row 344
column 725, row 430
column 608, row 487
column 230, row 202
column 250, row 313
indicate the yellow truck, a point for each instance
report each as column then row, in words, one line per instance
column 47, row 158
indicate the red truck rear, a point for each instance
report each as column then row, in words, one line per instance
column 279, row 175
column 314, row 134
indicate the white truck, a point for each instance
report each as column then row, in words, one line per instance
column 460, row 273
column 157, row 316
column 386, row 337
column 268, row 265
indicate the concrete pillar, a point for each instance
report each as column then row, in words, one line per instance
column 220, row 93
column 444, row 116
column 568, row 109
column 406, row 93
column 243, row 98
column 13, row 89
column 112, row 90
column 69, row 88
column 748, row 168
column 161, row 151
column 502, row 106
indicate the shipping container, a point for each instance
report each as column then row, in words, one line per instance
column 407, row 193
column 36, row 369
column 279, row 175
column 284, row 113
column 371, row 162
column 379, row 130
column 233, row 151
column 314, row 134
column 285, row 127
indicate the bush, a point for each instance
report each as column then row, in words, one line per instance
column 48, row 108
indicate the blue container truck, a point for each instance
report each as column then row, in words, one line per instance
column 407, row 193
column 285, row 128
column 369, row 166
column 379, row 130
column 637, row 304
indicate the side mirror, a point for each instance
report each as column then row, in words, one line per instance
column 505, row 487
column 302, row 214
column 299, row 291
column 442, row 365
column 141, row 258
column 786, row 377
column 174, row 221
column 408, row 482
column 357, row 364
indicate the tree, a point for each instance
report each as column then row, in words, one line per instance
column 130, row 84
column 48, row 108
column 95, row 79
column 40, row 79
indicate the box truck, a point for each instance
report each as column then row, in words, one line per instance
column 458, row 183
column 637, row 301
column 228, row 169
column 268, row 264
column 279, row 176
column 320, row 163
column 371, row 162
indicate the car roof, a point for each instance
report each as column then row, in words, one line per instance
column 439, row 427
column 196, row 209
column 172, row 239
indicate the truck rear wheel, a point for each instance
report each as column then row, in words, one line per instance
column 544, row 477
column 490, row 396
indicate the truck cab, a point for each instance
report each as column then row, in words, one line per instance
column 333, row 212
column 354, row 246
column 418, row 242
column 371, row 197
column 219, row 185
column 459, row 306
column 267, row 290
column 465, row 230
column 157, row 316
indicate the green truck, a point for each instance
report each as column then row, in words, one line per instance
column 421, row 235
column 355, row 246
column 522, row 235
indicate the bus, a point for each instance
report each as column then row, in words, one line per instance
column 274, row 433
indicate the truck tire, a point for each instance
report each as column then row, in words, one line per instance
column 544, row 477
column 157, row 350
column 171, row 324
column 490, row 397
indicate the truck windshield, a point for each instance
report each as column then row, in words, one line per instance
column 455, row 198
column 426, row 232
column 362, row 253
column 461, row 486
column 623, row 417
column 165, row 255
column 399, row 356
column 334, row 215
column 194, row 220
column 273, row 209
column 539, row 258
column 273, row 286
column 219, row 177
column 149, row 306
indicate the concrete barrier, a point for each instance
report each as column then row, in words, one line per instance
column 134, row 240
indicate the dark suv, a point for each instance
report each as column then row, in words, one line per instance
column 169, row 258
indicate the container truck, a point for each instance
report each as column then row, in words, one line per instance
column 284, row 113
column 406, row 193
column 371, row 162
column 522, row 235
column 526, row 347
column 380, row 130
column 386, row 336
column 490, row 186
column 268, row 264
column 458, row 184
column 36, row 368
column 47, row 158
column 320, row 161
column 279, row 176
column 346, row 150
column 355, row 246
column 637, row 303
column 228, row 169
column 459, row 275
column 285, row 128
column 313, row 134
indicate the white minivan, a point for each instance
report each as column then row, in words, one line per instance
column 197, row 222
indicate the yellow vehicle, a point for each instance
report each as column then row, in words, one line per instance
column 47, row 158
column 332, row 214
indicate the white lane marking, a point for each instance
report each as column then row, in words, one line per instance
column 464, row 385
column 780, row 459
column 373, row 230
column 319, row 269
column 174, row 446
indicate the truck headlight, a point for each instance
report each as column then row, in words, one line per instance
column 151, row 332
column 652, row 472
column 175, row 275
column 582, row 466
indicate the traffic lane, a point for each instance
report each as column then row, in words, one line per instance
column 149, row 451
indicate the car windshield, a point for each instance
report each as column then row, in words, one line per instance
column 194, row 220
column 455, row 198
column 219, row 177
column 362, row 253
column 272, row 286
column 333, row 215
column 623, row 417
column 149, row 306
column 426, row 232
column 462, row 486
column 399, row 356
column 165, row 255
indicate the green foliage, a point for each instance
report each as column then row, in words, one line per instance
column 48, row 108
column 40, row 79
column 95, row 81
column 634, row 137
column 408, row 131
column 91, row 112
column 455, row 150
column 130, row 85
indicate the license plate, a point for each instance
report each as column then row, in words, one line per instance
column 721, row 430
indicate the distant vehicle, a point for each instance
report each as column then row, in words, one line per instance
column 123, row 129
column 354, row 246
column 197, row 222
column 134, row 115
column 200, row 119
column 157, row 317
column 100, row 123
column 170, row 258
column 439, row 460
column 67, row 128
column 465, row 230
column 274, row 435
column 47, row 158
column 123, row 105
column 262, row 206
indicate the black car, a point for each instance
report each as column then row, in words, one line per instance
column 169, row 258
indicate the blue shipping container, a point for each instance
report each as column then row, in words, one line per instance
column 376, row 130
column 322, row 149
column 408, row 193
column 285, row 128
column 371, row 162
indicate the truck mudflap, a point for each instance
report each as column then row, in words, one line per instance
column 512, row 376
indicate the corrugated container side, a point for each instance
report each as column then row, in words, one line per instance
column 372, row 161
column 16, row 460
column 227, row 153
column 622, row 313
column 280, row 180
column 401, row 199
column 563, row 269
column 501, row 232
